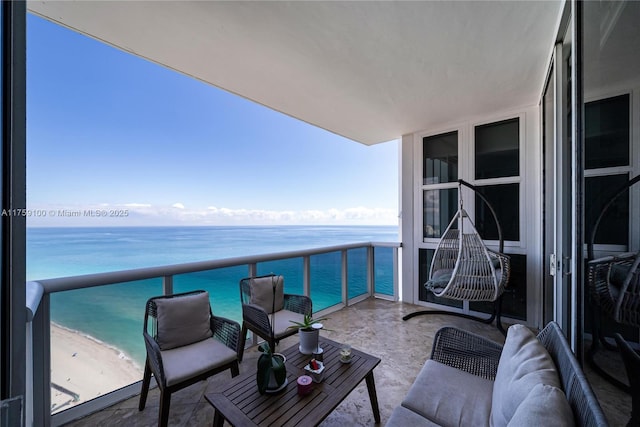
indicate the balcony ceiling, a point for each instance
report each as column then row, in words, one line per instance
column 369, row 71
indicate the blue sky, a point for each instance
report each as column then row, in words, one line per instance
column 110, row 131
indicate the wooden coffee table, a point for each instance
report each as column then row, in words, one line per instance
column 239, row 402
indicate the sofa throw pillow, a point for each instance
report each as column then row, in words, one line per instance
column 183, row 320
column 523, row 364
column 262, row 292
column 545, row 406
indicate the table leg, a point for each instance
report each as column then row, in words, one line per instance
column 371, row 387
column 218, row 419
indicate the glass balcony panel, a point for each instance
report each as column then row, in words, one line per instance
column 223, row 285
column 357, row 271
column 439, row 206
column 291, row 269
column 440, row 158
column 326, row 280
column 383, row 269
column 110, row 318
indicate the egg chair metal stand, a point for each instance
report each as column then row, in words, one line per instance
column 464, row 269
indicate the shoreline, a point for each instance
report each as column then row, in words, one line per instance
column 83, row 367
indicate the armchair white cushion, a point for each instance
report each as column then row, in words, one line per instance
column 262, row 293
column 185, row 362
column 183, row 320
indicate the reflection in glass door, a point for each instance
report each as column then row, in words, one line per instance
column 610, row 42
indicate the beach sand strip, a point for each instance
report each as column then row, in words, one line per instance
column 83, row 368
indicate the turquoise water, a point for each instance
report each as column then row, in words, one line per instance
column 113, row 314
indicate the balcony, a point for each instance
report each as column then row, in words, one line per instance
column 363, row 312
column 373, row 325
column 108, row 307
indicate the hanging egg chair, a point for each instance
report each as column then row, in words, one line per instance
column 464, row 269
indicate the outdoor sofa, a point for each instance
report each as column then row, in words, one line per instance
column 473, row 381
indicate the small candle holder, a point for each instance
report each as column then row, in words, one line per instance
column 305, row 385
column 345, row 353
column 316, row 374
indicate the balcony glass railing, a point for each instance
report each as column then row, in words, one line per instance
column 385, row 271
column 108, row 308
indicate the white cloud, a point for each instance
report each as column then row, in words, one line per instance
column 137, row 205
column 144, row 214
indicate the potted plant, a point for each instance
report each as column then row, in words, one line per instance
column 309, row 331
column 272, row 372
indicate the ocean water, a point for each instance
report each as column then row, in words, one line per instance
column 113, row 314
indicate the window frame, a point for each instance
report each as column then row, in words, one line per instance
column 600, row 250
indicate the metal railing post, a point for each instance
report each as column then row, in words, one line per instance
column 306, row 275
column 396, row 275
column 371, row 272
column 345, row 278
column 253, row 269
column 167, row 285
column 41, row 356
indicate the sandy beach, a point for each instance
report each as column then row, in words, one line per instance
column 83, row 368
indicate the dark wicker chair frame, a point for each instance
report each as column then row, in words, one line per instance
column 620, row 305
column 255, row 319
column 467, row 283
column 480, row 356
column 631, row 361
column 224, row 330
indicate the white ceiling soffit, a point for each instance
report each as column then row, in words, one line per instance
column 369, row 71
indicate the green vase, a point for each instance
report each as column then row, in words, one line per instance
column 272, row 372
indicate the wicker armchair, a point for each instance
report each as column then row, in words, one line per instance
column 185, row 344
column 631, row 361
column 614, row 289
column 613, row 281
column 614, row 286
column 267, row 311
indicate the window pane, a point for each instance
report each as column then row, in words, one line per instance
column 497, row 149
column 440, row 158
column 514, row 298
column 424, row 262
column 614, row 226
column 439, row 206
column 505, row 200
column 607, row 132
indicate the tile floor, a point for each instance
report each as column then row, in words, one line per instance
column 374, row 326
